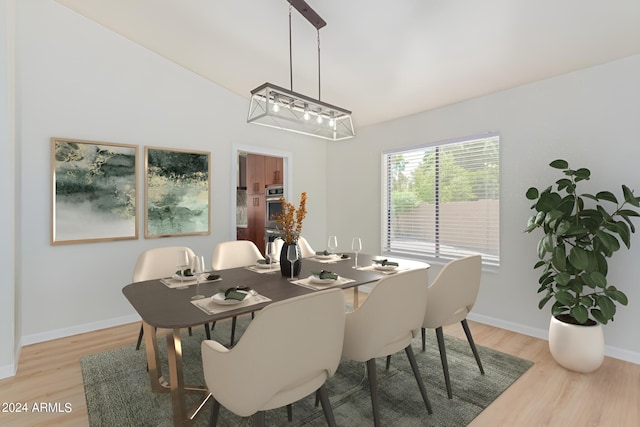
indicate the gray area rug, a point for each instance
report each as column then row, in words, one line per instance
column 117, row 387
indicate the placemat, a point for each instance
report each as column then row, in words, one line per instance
column 175, row 283
column 373, row 268
column 210, row 307
column 307, row 283
column 332, row 260
column 274, row 268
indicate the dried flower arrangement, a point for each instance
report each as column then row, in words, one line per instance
column 290, row 220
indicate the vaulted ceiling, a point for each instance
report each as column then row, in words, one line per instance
column 382, row 59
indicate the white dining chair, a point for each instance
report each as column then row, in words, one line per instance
column 306, row 251
column 158, row 263
column 385, row 323
column 234, row 254
column 286, row 353
column 278, row 244
column 450, row 299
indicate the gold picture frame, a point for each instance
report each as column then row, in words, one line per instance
column 177, row 192
column 93, row 191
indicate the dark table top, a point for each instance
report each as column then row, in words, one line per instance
column 164, row 307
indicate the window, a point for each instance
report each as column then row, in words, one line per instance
column 442, row 201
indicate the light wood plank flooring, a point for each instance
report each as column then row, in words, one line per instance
column 546, row 395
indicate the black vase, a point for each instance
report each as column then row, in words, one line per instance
column 285, row 265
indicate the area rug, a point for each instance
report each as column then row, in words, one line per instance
column 118, row 393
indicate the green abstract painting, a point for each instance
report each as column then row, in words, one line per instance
column 177, row 192
column 93, row 191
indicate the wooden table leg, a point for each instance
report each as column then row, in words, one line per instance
column 176, row 378
column 158, row 383
column 176, row 384
column 356, row 302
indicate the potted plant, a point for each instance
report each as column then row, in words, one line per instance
column 580, row 231
column 290, row 226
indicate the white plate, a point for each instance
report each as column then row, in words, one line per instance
column 385, row 267
column 316, row 279
column 219, row 299
column 325, row 256
column 185, row 278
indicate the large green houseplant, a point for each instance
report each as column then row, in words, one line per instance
column 580, row 232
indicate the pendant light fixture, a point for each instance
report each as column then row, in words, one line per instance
column 285, row 109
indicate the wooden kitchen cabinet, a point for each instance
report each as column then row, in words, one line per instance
column 256, row 220
column 261, row 171
column 273, row 170
column 255, row 174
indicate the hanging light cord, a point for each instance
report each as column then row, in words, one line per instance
column 290, row 52
column 318, row 64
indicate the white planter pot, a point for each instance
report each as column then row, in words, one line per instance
column 576, row 347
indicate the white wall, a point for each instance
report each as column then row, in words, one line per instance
column 9, row 327
column 590, row 118
column 78, row 80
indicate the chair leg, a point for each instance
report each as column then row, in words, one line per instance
column 373, row 385
column 388, row 362
column 258, row 419
column 424, row 339
column 213, row 325
column 326, row 406
column 190, row 331
column 416, row 373
column 215, row 411
column 140, row 337
column 467, row 332
column 443, row 359
column 289, row 412
column 233, row 330
column 207, row 331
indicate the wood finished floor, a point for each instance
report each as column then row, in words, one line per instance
column 546, row 395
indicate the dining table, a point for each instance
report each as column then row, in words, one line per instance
column 167, row 304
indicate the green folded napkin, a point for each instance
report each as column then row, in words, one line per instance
column 265, row 261
column 232, row 293
column 384, row 262
column 325, row 253
column 185, row 273
column 325, row 275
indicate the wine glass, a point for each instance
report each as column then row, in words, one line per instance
column 270, row 252
column 198, row 270
column 183, row 264
column 333, row 244
column 292, row 257
column 356, row 246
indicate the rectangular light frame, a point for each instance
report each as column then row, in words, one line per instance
column 280, row 108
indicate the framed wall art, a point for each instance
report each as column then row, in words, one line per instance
column 177, row 192
column 93, row 195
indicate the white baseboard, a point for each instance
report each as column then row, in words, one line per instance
column 615, row 352
column 10, row 369
column 78, row 329
column 7, row 371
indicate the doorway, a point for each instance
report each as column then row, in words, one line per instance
column 258, row 172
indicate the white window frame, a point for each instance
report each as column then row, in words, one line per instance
column 432, row 251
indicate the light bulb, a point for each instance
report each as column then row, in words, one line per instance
column 306, row 112
column 319, row 119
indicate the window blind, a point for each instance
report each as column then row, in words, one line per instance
column 442, row 201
